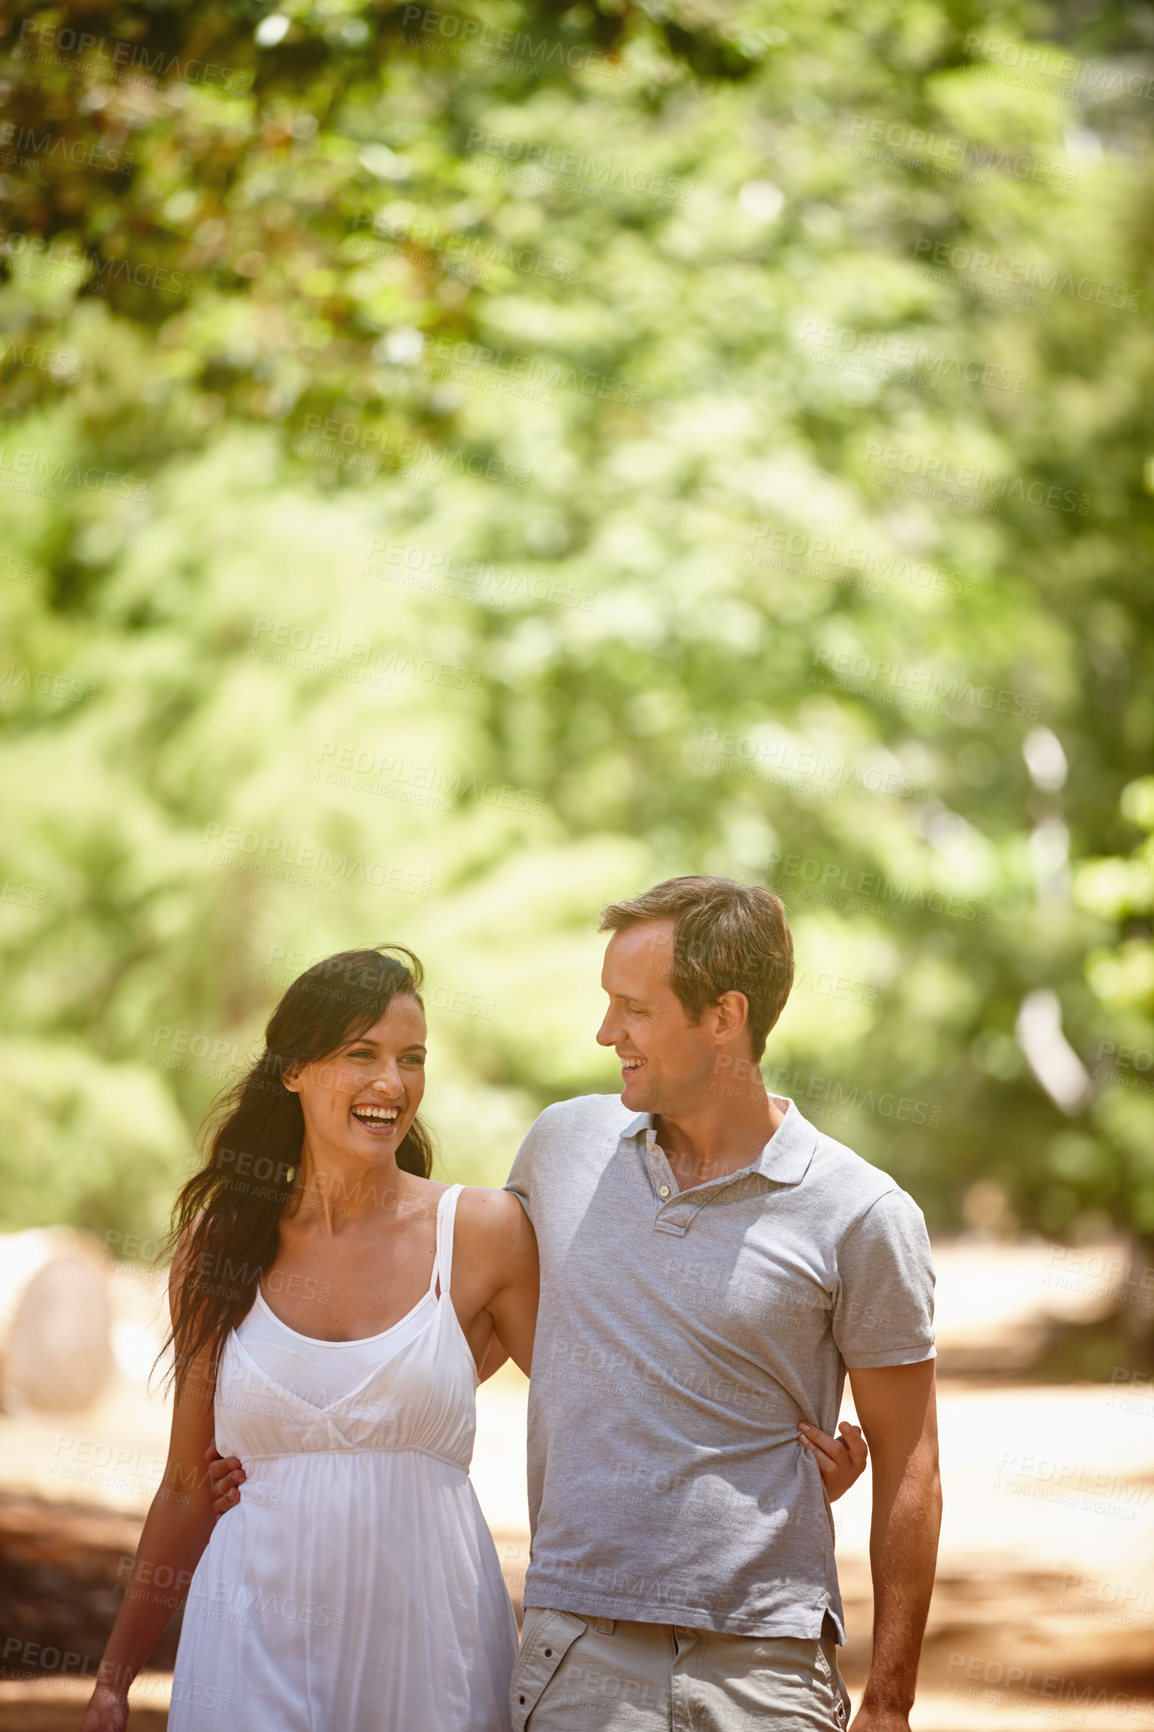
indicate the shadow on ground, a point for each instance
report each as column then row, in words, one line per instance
column 63, row 1566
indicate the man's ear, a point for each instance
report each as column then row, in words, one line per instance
column 732, row 1015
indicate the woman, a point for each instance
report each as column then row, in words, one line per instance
column 332, row 1309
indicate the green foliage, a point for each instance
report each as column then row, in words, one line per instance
column 1121, row 977
column 464, row 465
column 86, row 1141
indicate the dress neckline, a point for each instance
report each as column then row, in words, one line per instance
column 351, row 1340
column 430, row 1294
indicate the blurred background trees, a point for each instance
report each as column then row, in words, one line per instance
column 465, row 464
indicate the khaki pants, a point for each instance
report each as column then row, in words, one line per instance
column 600, row 1675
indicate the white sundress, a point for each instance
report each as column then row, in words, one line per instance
column 355, row 1587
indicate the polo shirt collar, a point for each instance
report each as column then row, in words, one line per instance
column 785, row 1158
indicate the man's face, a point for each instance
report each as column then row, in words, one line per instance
column 667, row 1062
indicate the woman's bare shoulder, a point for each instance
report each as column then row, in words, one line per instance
column 487, row 1207
column 493, row 1221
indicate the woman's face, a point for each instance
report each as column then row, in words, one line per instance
column 360, row 1101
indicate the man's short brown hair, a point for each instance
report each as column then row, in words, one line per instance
column 727, row 937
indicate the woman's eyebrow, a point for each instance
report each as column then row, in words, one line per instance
column 365, row 1040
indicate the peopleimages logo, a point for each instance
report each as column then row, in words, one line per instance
column 1019, row 273
column 472, row 40
column 596, row 174
column 779, row 758
column 467, row 255
column 28, row 680
column 60, row 44
column 924, row 471
column 453, row 355
column 831, row 879
column 795, row 549
column 947, row 154
column 1041, row 66
column 358, row 447
column 30, row 471
column 327, row 652
column 62, row 364
column 1049, row 1685
column 854, row 669
column 841, row 1102
column 420, row 778
column 304, row 863
column 59, row 261
column 452, row 574
column 891, row 355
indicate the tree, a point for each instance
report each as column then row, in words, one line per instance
column 495, row 463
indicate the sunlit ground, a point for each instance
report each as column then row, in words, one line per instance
column 1044, row 1612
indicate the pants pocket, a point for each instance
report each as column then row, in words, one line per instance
column 827, row 1668
column 548, row 1639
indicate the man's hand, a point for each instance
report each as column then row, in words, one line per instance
column 226, row 1476
column 840, row 1460
column 879, row 1720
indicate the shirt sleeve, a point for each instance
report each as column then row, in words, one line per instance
column 883, row 1311
column 521, row 1173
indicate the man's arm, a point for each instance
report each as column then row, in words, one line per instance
column 896, row 1406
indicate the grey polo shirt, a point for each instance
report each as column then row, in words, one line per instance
column 681, row 1337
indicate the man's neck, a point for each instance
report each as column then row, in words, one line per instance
column 722, row 1137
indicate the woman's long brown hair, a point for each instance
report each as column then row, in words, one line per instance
column 226, row 1218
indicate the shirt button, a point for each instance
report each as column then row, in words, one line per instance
column 663, row 1190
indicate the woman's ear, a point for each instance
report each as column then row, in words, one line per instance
column 292, row 1081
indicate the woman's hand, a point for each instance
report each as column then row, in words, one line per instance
column 107, row 1710
column 840, row 1460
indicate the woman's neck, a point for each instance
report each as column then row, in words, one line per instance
column 332, row 1193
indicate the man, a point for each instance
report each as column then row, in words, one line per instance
column 711, row 1265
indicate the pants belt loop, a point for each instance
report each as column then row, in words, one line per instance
column 603, row 1626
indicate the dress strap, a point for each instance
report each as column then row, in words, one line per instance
column 443, row 1263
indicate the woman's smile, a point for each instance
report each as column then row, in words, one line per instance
column 379, row 1121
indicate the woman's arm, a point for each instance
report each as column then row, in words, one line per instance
column 513, row 1306
column 495, row 1276
column 495, row 1356
column 175, row 1534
